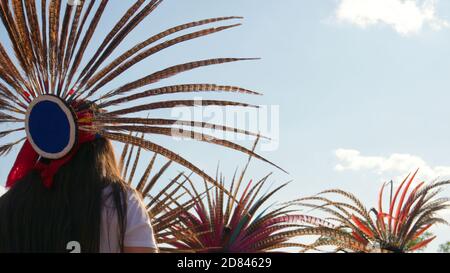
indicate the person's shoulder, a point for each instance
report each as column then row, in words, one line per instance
column 135, row 201
column 2, row 190
column 129, row 195
column 132, row 197
column 133, row 193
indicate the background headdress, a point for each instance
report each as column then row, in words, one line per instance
column 47, row 95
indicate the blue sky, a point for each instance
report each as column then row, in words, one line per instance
column 362, row 89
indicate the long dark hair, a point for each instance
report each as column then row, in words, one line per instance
column 36, row 219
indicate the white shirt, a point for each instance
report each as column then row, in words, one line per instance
column 139, row 231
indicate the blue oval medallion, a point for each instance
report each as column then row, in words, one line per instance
column 51, row 127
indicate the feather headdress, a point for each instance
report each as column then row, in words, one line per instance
column 59, row 103
column 412, row 210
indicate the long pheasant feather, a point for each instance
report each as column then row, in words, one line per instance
column 121, row 59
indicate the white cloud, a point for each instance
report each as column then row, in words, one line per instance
column 407, row 17
column 396, row 164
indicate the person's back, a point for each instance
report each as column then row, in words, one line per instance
column 87, row 204
column 138, row 231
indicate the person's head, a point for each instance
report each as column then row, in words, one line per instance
column 37, row 219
